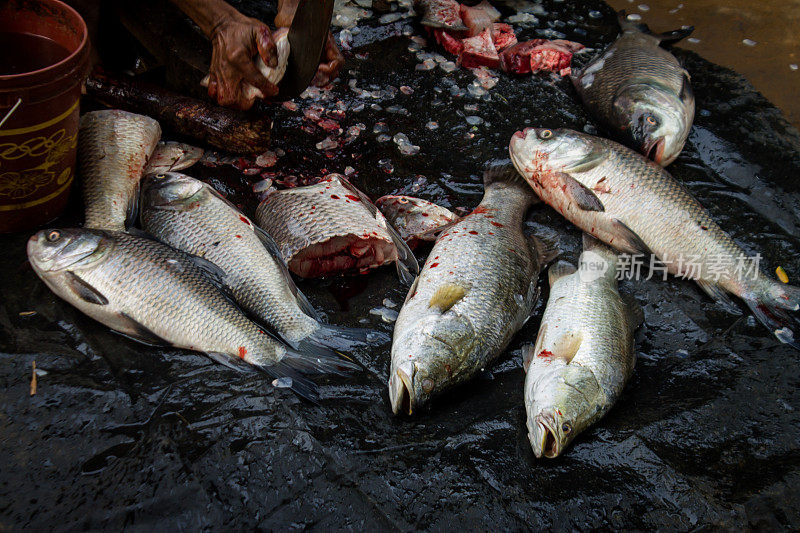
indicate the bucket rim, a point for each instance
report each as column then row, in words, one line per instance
column 80, row 49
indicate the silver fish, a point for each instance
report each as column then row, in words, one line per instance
column 191, row 216
column 640, row 91
column 476, row 290
column 332, row 227
column 634, row 205
column 583, row 354
column 113, row 149
column 154, row 294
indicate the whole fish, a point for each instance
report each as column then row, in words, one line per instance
column 171, row 156
column 113, row 149
column 476, row 290
column 332, row 227
column 415, row 219
column 191, row 216
column 634, row 205
column 640, row 92
column 154, row 294
column 583, row 354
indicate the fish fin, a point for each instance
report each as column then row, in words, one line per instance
column 437, row 230
column 84, row 290
column 407, row 265
column 633, row 309
column 589, row 162
column 142, row 234
column 533, row 349
column 447, row 296
column 527, row 303
column 544, row 252
column 593, row 244
column 783, row 324
column 504, row 172
column 344, row 339
column 231, row 362
column 559, row 270
column 630, row 239
column 132, row 215
column 272, row 248
column 686, row 87
column 719, row 295
column 136, row 331
column 666, row 38
column 581, row 195
column 412, row 290
column 314, row 363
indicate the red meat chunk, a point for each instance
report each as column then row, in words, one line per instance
column 479, row 51
column 479, row 17
column 503, row 36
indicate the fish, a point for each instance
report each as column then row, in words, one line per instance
column 640, row 92
column 172, row 156
column 634, row 205
column 415, row 219
column 331, row 227
column 191, row 216
column 149, row 292
column 584, row 353
column 476, row 290
column 113, row 149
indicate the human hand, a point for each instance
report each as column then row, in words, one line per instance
column 237, row 43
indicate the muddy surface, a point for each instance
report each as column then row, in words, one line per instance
column 707, row 431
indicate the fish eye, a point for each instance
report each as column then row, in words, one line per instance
column 651, row 120
column 545, row 134
column 427, row 384
column 54, row 235
column 161, row 176
column 566, row 427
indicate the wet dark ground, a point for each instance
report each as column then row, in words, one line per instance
column 707, row 433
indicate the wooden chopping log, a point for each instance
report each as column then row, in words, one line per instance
column 229, row 130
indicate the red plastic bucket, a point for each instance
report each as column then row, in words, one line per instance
column 45, row 48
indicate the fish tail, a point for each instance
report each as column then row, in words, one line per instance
column 667, row 38
column 341, row 339
column 776, row 307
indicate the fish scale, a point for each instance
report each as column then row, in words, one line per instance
column 475, row 291
column 206, row 225
column 113, row 149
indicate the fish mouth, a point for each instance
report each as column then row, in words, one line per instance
column 544, row 439
column 401, row 390
column 654, row 149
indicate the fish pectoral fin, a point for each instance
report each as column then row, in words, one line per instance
column 630, row 241
column 579, row 194
column 559, row 270
column 84, row 290
column 129, row 327
column 447, row 296
column 567, row 345
column 589, row 162
column 719, row 295
column 132, row 214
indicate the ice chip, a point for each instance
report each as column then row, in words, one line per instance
column 282, row 383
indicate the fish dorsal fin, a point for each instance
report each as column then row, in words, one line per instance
column 407, row 265
column 545, row 253
column 580, row 195
column 84, row 290
column 559, row 270
column 272, row 248
column 633, row 309
column 447, row 296
column 667, row 38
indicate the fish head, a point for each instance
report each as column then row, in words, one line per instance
column 56, row 250
column 561, row 400
column 655, row 120
column 535, row 151
column 431, row 358
column 169, row 189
